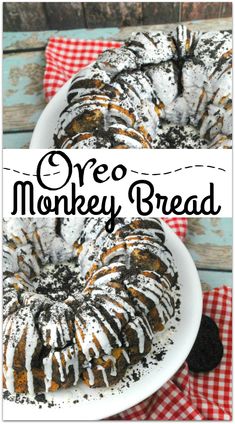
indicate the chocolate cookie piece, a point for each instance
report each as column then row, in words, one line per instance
column 207, row 350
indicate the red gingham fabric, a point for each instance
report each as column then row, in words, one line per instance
column 186, row 396
column 204, row 396
column 179, row 225
column 66, row 56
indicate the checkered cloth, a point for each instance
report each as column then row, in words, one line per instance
column 179, row 225
column 66, row 56
column 186, row 396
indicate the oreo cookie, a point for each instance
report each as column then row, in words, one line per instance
column 207, row 350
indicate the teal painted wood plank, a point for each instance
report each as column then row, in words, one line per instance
column 38, row 39
column 23, row 97
column 218, row 230
column 22, row 77
column 16, row 140
column 216, row 278
column 209, row 241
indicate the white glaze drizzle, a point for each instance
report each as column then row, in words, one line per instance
column 113, row 360
column 140, row 334
column 105, row 378
column 115, row 302
column 91, row 377
column 30, row 346
column 47, row 366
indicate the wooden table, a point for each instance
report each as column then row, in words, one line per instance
column 209, row 240
column 23, row 69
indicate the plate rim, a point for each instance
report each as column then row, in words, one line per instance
column 116, row 408
column 48, row 110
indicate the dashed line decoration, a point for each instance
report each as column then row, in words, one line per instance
column 178, row 169
column 29, row 175
column 132, row 170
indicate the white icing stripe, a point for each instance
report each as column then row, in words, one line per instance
column 95, row 335
column 30, row 346
column 126, row 356
column 147, row 327
column 140, row 335
column 128, row 140
column 113, row 360
column 106, row 278
column 47, row 365
column 60, row 366
column 112, row 295
column 113, row 307
column 91, row 377
column 105, row 378
column 9, row 353
column 14, row 330
column 87, row 341
column 110, row 329
column 72, row 360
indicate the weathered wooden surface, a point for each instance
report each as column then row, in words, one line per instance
column 23, row 97
column 33, row 16
column 17, row 140
column 65, row 16
column 25, row 16
column 226, row 9
column 23, row 67
column 37, row 40
column 214, row 279
column 194, row 10
column 209, row 241
column 205, row 25
column 113, row 14
column 163, row 13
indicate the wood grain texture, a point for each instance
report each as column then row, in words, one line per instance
column 21, row 116
column 226, row 9
column 22, row 90
column 24, row 16
column 200, row 25
column 210, row 257
column 160, row 13
column 38, row 40
column 23, row 97
column 209, row 241
column 113, row 14
column 32, row 40
column 33, row 16
column 199, row 10
column 65, row 15
column 212, row 279
column 16, row 140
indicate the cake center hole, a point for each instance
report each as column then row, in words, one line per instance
column 59, row 281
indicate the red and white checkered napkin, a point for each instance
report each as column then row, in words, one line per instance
column 189, row 396
column 66, row 56
column 179, row 225
column 186, row 396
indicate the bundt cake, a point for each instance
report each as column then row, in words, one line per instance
column 135, row 96
column 91, row 324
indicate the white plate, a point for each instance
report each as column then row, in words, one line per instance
column 121, row 396
column 42, row 137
